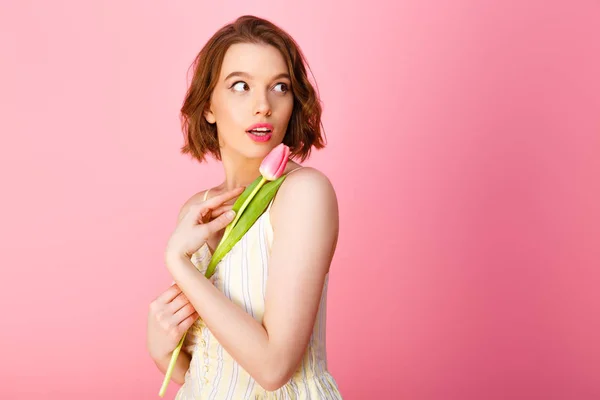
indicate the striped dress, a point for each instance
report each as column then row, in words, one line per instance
column 242, row 277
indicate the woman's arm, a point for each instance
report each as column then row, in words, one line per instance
column 305, row 222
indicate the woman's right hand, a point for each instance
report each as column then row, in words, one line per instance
column 171, row 314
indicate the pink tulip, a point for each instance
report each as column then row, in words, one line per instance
column 274, row 163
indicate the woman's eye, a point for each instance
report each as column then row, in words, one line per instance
column 241, row 86
column 284, row 87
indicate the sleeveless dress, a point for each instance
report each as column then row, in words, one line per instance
column 242, row 276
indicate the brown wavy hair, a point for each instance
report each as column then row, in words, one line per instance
column 304, row 127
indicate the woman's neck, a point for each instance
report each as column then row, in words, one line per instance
column 239, row 172
column 242, row 172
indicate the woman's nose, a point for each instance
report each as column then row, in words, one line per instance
column 263, row 106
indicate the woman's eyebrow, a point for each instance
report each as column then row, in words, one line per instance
column 247, row 75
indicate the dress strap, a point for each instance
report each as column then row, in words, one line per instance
column 296, row 169
column 206, row 195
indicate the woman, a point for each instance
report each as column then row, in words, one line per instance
column 257, row 326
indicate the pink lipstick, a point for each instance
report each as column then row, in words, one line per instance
column 261, row 132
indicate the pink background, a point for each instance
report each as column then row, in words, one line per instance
column 464, row 143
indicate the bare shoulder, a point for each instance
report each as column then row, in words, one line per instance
column 306, row 178
column 194, row 199
column 306, row 191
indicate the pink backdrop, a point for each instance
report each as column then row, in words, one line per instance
column 464, row 143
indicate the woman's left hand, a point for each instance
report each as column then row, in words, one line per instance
column 200, row 221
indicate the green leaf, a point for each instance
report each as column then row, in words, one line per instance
column 240, row 202
column 242, row 198
column 254, row 210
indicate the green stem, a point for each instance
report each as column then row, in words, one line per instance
column 242, row 208
column 171, row 367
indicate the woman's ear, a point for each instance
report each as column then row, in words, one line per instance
column 209, row 115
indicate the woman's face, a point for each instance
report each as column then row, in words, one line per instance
column 253, row 88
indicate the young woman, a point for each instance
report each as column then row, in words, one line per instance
column 256, row 328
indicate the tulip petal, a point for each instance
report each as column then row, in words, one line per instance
column 274, row 163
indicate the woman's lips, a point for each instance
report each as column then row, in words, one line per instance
column 260, row 125
column 261, row 138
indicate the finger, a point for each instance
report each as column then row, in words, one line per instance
column 178, row 302
column 198, row 212
column 218, row 200
column 223, row 209
column 212, row 214
column 183, row 313
column 189, row 321
column 168, row 295
column 205, row 216
column 220, row 222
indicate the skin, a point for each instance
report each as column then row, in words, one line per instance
column 304, row 217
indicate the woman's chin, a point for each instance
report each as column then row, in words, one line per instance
column 253, row 150
column 260, row 150
column 254, row 153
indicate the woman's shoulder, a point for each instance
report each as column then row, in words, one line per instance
column 305, row 212
column 196, row 198
column 307, row 188
column 306, row 178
